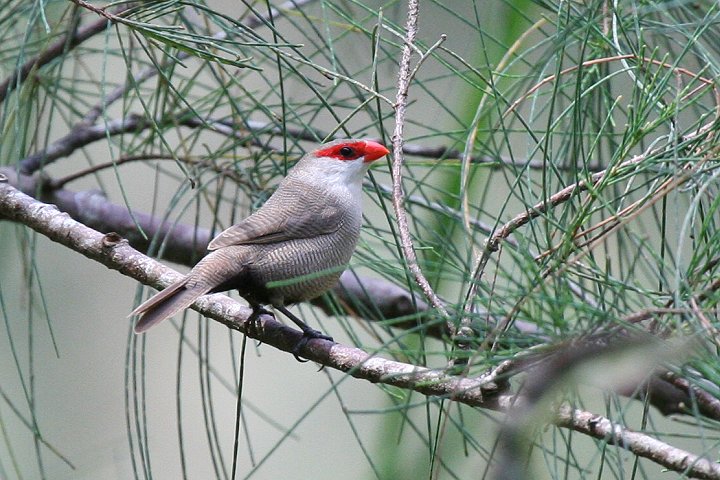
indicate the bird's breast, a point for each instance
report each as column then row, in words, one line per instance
column 305, row 268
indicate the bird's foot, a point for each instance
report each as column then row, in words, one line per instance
column 308, row 334
column 253, row 321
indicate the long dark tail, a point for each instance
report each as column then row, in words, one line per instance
column 167, row 303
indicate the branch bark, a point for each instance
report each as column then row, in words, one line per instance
column 642, row 445
column 114, row 252
column 558, row 371
column 371, row 298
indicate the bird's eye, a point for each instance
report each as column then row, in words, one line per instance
column 346, row 152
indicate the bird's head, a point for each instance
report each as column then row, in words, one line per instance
column 344, row 161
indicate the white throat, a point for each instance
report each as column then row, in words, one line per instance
column 336, row 175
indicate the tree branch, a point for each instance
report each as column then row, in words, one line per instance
column 493, row 243
column 558, row 370
column 81, row 135
column 84, row 133
column 642, row 445
column 114, row 252
column 373, row 299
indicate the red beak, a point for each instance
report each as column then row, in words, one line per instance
column 374, row 150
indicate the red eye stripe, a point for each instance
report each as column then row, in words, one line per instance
column 356, row 150
column 352, row 150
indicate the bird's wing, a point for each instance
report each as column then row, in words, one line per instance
column 296, row 219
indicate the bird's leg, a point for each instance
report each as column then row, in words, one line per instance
column 308, row 333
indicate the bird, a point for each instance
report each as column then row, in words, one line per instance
column 292, row 249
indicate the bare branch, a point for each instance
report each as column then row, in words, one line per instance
column 80, row 136
column 493, row 243
column 114, row 252
column 640, row 444
column 85, row 133
column 559, row 369
column 708, row 404
column 398, row 159
column 369, row 298
column 707, row 82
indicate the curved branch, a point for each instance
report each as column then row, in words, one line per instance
column 373, row 299
column 560, row 369
column 493, row 243
column 640, row 444
column 85, row 133
column 398, row 195
column 114, row 252
column 370, row 298
column 80, row 136
column 414, row 149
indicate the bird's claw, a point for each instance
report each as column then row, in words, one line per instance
column 308, row 334
column 253, row 321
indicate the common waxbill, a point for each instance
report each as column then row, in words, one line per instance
column 302, row 237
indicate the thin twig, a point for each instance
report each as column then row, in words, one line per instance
column 664, row 189
column 398, row 160
column 467, row 158
column 109, row 16
column 61, row 182
column 414, row 149
column 558, row 198
column 85, row 133
column 225, row 171
column 424, row 56
column 78, row 137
